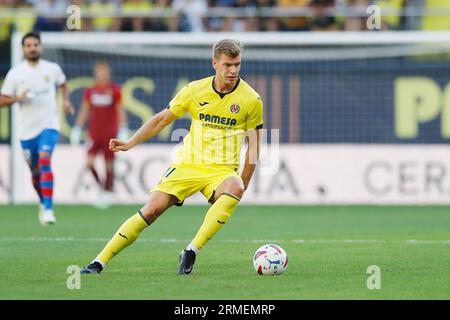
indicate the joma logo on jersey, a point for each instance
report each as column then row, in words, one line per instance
column 217, row 119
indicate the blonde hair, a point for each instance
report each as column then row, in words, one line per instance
column 230, row 47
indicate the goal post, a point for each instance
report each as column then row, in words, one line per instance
column 16, row 162
column 340, row 95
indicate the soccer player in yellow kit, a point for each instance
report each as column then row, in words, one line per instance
column 225, row 110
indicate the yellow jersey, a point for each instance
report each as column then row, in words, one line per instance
column 219, row 122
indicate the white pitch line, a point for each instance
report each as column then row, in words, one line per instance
column 173, row 240
column 346, row 241
column 427, row 241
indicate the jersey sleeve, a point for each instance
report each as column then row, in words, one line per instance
column 255, row 116
column 180, row 103
column 60, row 77
column 9, row 85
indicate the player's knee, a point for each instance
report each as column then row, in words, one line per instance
column 44, row 155
column 236, row 189
column 239, row 192
column 151, row 212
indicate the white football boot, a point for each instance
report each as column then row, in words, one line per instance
column 104, row 200
column 46, row 216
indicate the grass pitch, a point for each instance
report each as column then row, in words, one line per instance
column 329, row 249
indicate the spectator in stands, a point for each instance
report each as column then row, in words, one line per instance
column 103, row 23
column 296, row 23
column 133, row 7
column 5, row 33
column 320, row 20
column 240, row 17
column 393, row 22
column 410, row 22
column 6, row 22
column 247, row 21
column 161, row 23
column 219, row 23
column 50, row 15
column 266, row 23
column 238, row 23
column 190, row 14
column 24, row 19
column 357, row 23
column 436, row 22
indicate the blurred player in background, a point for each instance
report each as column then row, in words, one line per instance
column 102, row 109
column 225, row 110
column 32, row 85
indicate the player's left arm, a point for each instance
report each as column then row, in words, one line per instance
column 60, row 80
column 67, row 105
column 252, row 155
column 253, row 138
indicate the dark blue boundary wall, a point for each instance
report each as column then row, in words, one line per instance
column 342, row 101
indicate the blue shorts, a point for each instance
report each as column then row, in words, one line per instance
column 44, row 142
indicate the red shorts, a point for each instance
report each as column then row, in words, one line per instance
column 100, row 146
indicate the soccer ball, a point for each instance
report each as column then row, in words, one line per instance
column 270, row 259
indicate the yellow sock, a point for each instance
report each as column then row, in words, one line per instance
column 128, row 232
column 215, row 218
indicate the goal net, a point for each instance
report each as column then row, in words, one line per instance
column 359, row 117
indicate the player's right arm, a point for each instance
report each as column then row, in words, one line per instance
column 7, row 96
column 148, row 130
column 6, row 100
column 177, row 108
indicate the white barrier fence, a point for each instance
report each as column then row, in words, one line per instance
column 307, row 174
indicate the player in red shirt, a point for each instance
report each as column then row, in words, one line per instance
column 102, row 109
